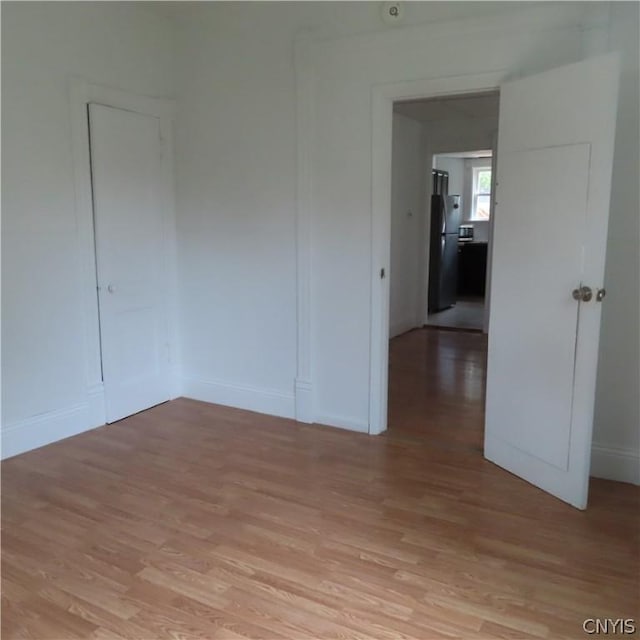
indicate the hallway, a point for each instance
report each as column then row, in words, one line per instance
column 436, row 387
column 466, row 314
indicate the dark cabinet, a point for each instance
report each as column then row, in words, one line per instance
column 472, row 268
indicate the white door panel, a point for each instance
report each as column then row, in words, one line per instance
column 552, row 198
column 534, row 298
column 130, row 255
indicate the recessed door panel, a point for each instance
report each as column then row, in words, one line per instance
column 553, row 183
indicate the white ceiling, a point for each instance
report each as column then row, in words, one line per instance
column 171, row 9
column 483, row 153
column 459, row 108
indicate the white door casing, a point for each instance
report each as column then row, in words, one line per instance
column 555, row 155
column 131, row 260
column 382, row 99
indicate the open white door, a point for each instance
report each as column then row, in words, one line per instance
column 555, row 153
column 130, row 255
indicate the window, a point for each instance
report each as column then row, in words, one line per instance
column 481, row 201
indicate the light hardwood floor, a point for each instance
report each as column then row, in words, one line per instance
column 197, row 521
column 436, row 387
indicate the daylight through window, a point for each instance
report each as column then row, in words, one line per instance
column 481, row 193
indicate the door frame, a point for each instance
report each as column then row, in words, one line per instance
column 382, row 99
column 82, row 93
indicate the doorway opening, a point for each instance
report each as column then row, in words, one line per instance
column 543, row 346
column 459, row 215
column 443, row 153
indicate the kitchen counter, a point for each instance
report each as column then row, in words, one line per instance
column 472, row 268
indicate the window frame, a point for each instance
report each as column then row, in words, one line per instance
column 475, row 176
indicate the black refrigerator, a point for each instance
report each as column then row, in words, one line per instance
column 443, row 251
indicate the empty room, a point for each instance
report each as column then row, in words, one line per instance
column 201, row 293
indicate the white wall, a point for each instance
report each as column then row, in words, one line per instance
column 347, row 69
column 236, row 188
column 236, row 171
column 410, row 176
column 236, row 197
column 236, row 176
column 346, row 72
column 48, row 388
column 462, row 134
column 617, row 413
column 480, row 231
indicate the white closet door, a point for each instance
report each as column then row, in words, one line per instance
column 131, row 258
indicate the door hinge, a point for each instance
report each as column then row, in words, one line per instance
column 382, row 274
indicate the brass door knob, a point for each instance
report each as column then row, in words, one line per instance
column 583, row 294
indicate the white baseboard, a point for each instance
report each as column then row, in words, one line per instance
column 342, row 423
column 398, row 328
column 175, row 383
column 268, row 401
column 304, row 401
column 97, row 406
column 614, row 463
column 52, row 426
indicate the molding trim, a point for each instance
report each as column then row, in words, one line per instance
column 595, row 29
column 96, row 405
column 382, row 97
column 403, row 326
column 551, row 16
column 163, row 108
column 308, row 45
column 340, row 422
column 267, row 401
column 614, row 463
column 304, row 401
column 176, row 382
column 305, row 141
column 52, row 426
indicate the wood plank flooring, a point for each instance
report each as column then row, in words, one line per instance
column 437, row 385
column 196, row 521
